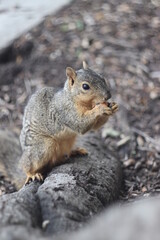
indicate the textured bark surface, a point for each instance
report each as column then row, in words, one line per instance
column 139, row 220
column 21, row 208
column 71, row 194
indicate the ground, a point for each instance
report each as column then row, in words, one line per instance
column 121, row 40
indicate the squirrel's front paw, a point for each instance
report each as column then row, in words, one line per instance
column 103, row 109
column 114, row 107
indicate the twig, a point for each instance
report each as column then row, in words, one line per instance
column 146, row 149
column 147, row 138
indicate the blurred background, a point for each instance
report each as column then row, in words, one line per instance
column 118, row 38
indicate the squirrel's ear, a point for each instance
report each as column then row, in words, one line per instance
column 71, row 74
column 85, row 65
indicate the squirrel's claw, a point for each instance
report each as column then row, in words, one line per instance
column 28, row 180
column 37, row 176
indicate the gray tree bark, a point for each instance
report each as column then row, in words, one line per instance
column 71, row 194
column 136, row 221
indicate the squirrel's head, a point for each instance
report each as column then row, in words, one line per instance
column 86, row 86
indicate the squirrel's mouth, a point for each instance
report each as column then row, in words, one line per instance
column 98, row 103
column 103, row 100
column 109, row 104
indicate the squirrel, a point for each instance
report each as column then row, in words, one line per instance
column 53, row 120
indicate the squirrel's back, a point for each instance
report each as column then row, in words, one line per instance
column 37, row 114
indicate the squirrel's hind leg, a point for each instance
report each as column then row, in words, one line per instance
column 34, row 161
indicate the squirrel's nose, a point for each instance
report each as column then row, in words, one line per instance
column 107, row 96
column 105, row 99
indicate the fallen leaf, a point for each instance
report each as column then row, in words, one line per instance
column 110, row 132
column 129, row 162
column 123, row 141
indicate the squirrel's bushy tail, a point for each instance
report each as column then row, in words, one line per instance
column 10, row 153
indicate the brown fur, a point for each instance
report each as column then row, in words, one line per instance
column 83, row 104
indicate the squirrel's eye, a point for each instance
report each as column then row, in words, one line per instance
column 85, row 86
